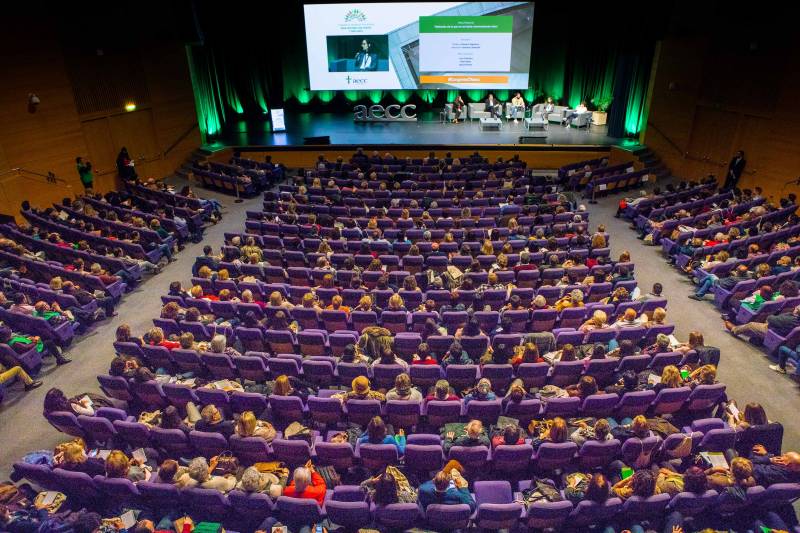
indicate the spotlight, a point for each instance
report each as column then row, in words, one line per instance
column 130, row 106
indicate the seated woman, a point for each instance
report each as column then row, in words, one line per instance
column 642, row 483
column 119, row 466
column 388, row 357
column 482, row 392
column 376, row 433
column 360, row 390
column 219, row 344
column 212, row 421
column 598, row 320
column 249, row 426
column 389, row 487
column 474, row 435
column 403, row 390
column 511, row 435
column 670, row 379
column 293, row 386
column 442, row 392
column 591, row 487
column 263, row 482
column 703, row 375
column 527, row 353
column 81, row 404
column 572, row 299
column 123, row 334
column 155, row 337
column 601, row 431
column 739, row 474
column 167, row 473
column 423, row 356
column 585, row 387
column 198, row 475
column 628, row 382
column 171, row 418
column 306, row 483
column 565, row 354
column 72, row 456
column 554, row 430
column 456, row 355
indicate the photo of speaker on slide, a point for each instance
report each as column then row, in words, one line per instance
column 358, row 53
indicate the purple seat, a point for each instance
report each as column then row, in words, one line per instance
column 631, row 334
column 452, row 320
column 636, row 363
column 543, row 319
column 136, row 435
column 662, row 360
column 545, row 515
column 375, row 457
column 351, row 515
column 553, row 456
column 638, row 453
column 424, row 457
column 249, row 450
column 306, row 318
column 41, row 475
column 601, row 336
column 340, row 455
column 572, row 317
column 254, row 507
column 287, row 409
column 495, row 505
column 599, row 405
column 219, row 364
column 403, row 414
column 188, row 361
column 637, row 507
column 149, row 393
column 397, row 516
column 424, row 376
column 570, row 337
column 512, row 460
column 363, row 319
column 248, row 401
column 533, row 374
column 115, row 387
column 563, row 407
column 284, row 366
column 66, row 422
column 384, row 375
column 395, row 321
column 282, row 341
column 705, row 397
column 442, row 412
column 588, row 513
column 690, row 504
column 77, row 485
column 362, row 411
column 486, row 411
column 312, row 342
column 634, row 403
column 252, row 368
column 566, row 373
column 718, row 440
column 499, row 375
column 326, row 411
column 474, row 458
column 123, row 491
column 596, row 454
column 448, row 517
column 158, row 357
column 173, row 441
column 206, row 503
column 208, row 444
column 602, row 370
column 292, row 452
column 461, row 377
column 669, row 401
column 97, row 428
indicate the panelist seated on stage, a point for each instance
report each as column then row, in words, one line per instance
column 492, row 106
column 581, row 113
column 456, row 109
column 549, row 111
column 516, row 108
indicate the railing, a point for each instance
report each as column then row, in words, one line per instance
column 180, row 138
column 672, row 143
column 35, row 176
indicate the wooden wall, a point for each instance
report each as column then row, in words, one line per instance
column 49, row 140
column 714, row 95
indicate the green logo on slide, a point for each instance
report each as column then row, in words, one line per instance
column 355, row 15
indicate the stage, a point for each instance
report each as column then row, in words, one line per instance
column 426, row 131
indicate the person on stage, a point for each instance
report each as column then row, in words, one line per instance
column 735, row 169
column 493, row 106
column 365, row 59
column 458, row 108
column 572, row 115
column 517, row 106
column 549, row 107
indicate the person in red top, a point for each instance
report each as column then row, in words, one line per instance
column 306, row 483
column 442, row 393
column 511, row 435
column 423, row 356
column 155, row 337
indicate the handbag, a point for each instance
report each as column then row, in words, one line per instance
column 297, row 431
column 223, row 464
column 150, row 418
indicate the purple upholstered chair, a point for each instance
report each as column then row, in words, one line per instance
column 340, row 455
column 208, row 444
column 440, row 413
column 377, row 456
column 554, row 456
column 634, row 403
column 447, row 517
column 292, row 452
column 566, row 373
column 596, row 454
column 495, row 505
column 362, row 411
column 249, row 450
column 588, row 513
column 397, row 516
column 512, row 460
column 563, row 407
column 254, row 507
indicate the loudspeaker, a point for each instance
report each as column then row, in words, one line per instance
column 324, row 139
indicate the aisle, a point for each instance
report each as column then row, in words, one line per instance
column 743, row 367
column 21, row 421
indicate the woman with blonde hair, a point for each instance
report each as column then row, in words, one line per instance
column 487, row 248
column 598, row 320
column 276, row 300
column 555, row 431
column 598, row 241
column 670, row 379
column 337, row 304
column 249, row 426
column 396, row 303
column 572, row 299
column 501, row 264
column 658, row 318
column 309, row 301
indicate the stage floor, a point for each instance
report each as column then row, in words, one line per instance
column 426, row 131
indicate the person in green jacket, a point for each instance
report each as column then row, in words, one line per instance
column 85, row 173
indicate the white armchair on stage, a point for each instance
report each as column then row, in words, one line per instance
column 477, row 111
column 582, row 120
column 557, row 115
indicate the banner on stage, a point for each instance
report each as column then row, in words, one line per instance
column 379, row 113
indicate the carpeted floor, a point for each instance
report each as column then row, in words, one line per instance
column 743, row 367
